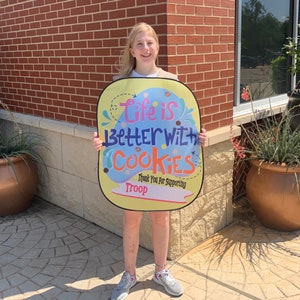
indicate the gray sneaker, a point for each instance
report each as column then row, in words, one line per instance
column 121, row 291
column 170, row 284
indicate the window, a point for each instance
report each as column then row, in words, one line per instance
column 262, row 29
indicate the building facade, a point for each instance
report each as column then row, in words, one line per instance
column 57, row 56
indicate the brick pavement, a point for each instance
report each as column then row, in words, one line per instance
column 49, row 253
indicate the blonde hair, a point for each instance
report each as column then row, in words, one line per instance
column 127, row 62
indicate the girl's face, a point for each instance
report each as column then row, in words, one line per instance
column 144, row 48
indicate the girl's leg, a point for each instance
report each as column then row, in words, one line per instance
column 131, row 230
column 160, row 238
column 160, row 231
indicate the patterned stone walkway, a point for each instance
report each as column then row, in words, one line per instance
column 48, row 253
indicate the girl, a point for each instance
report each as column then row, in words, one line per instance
column 139, row 60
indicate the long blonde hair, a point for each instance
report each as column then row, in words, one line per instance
column 127, row 62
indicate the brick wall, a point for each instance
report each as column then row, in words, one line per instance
column 56, row 56
column 201, row 39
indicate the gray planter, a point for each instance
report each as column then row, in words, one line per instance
column 293, row 107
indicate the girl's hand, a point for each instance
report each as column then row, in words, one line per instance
column 97, row 142
column 202, row 137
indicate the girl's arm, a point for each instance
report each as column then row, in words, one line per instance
column 202, row 137
column 97, row 142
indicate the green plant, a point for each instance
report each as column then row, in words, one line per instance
column 280, row 74
column 292, row 50
column 19, row 143
column 269, row 138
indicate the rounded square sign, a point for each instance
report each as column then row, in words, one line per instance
column 151, row 157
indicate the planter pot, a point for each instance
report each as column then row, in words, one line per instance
column 293, row 106
column 17, row 185
column 273, row 195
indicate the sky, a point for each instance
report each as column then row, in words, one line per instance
column 279, row 8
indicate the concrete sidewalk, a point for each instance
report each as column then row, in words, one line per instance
column 49, row 253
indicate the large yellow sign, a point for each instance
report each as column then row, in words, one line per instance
column 151, row 159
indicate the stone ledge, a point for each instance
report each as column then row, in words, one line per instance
column 248, row 117
column 52, row 125
column 222, row 134
column 214, row 136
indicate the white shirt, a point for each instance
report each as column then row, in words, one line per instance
column 136, row 74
